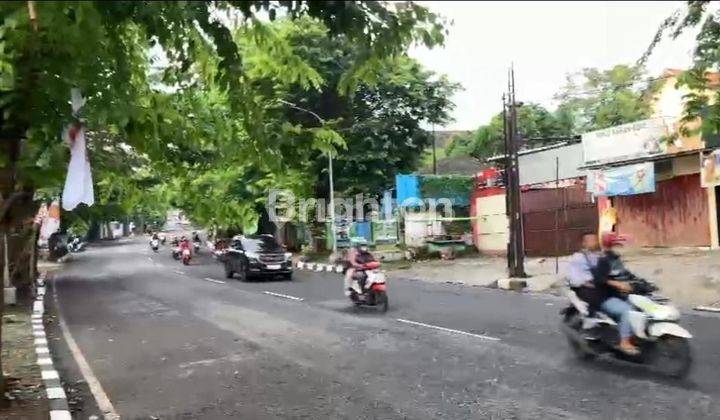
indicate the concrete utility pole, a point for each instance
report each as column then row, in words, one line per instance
column 516, row 258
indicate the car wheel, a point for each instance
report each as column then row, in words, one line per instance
column 288, row 276
column 228, row 271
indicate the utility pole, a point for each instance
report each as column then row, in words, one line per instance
column 516, row 259
column 434, row 150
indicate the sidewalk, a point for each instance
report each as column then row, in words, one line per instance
column 688, row 276
column 25, row 393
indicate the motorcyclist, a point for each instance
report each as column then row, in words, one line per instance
column 184, row 244
column 195, row 237
column 589, row 276
column 358, row 255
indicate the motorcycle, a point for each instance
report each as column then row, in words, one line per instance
column 663, row 343
column 163, row 239
column 186, row 256
column 371, row 281
column 76, row 245
column 196, row 246
column 154, row 244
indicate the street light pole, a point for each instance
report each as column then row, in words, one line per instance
column 330, row 174
column 332, row 204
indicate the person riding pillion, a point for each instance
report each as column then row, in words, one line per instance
column 588, row 275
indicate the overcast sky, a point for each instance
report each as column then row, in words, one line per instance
column 546, row 41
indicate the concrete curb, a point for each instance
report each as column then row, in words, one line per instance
column 318, row 267
column 57, row 399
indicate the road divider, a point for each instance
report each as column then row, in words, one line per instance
column 318, row 267
column 280, row 295
column 449, row 330
column 57, row 400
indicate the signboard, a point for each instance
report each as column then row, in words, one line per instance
column 710, row 169
column 623, row 180
column 628, row 141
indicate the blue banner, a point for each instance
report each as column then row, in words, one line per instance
column 623, row 180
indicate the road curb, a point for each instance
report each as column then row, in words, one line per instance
column 318, row 267
column 57, row 400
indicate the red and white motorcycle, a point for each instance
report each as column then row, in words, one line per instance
column 369, row 286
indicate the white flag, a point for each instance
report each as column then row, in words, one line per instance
column 78, row 184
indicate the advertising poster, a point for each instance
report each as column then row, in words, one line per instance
column 623, row 180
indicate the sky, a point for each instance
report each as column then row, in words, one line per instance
column 547, row 41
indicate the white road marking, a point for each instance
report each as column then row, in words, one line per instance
column 49, row 374
column 283, row 296
column 40, row 341
column 214, row 281
column 182, row 273
column 42, row 350
column 56, row 393
column 150, row 258
column 44, row 361
column 96, row 388
column 450, row 330
column 60, row 415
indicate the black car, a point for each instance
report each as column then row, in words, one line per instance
column 257, row 255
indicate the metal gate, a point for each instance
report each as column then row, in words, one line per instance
column 554, row 219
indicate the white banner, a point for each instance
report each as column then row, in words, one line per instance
column 634, row 140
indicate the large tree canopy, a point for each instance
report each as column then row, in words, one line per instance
column 205, row 122
column 380, row 120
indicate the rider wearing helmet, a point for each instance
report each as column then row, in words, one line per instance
column 358, row 255
column 184, row 244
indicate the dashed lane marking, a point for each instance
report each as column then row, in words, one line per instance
column 284, row 296
column 450, row 330
column 182, row 273
column 213, row 280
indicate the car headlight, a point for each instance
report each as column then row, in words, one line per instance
column 253, row 257
column 288, row 256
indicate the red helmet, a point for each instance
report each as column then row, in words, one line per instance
column 611, row 239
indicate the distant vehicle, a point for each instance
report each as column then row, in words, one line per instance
column 154, row 244
column 75, row 244
column 257, row 256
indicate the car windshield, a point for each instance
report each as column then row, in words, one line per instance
column 261, row 244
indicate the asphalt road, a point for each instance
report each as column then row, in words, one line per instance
column 170, row 341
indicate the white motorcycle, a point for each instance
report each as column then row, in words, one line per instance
column 662, row 342
column 154, row 244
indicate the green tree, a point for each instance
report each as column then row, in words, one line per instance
column 534, row 122
column 380, row 120
column 703, row 101
column 593, row 99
